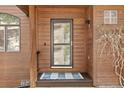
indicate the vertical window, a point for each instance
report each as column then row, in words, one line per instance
column 61, row 42
column 110, row 16
column 9, row 33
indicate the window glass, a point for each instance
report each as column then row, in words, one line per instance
column 106, row 21
column 13, row 35
column 6, row 19
column 110, row 17
column 62, row 55
column 114, row 20
column 114, row 13
column 61, row 32
column 106, row 13
column 9, row 33
column 2, row 40
column 61, row 42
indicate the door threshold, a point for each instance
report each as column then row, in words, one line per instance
column 61, row 66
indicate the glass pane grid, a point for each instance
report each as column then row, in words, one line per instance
column 110, row 17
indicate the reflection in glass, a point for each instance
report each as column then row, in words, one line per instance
column 6, row 19
column 114, row 20
column 106, row 21
column 13, row 38
column 106, row 13
column 62, row 55
column 2, row 31
column 61, row 32
column 114, row 13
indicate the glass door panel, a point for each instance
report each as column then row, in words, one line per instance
column 61, row 42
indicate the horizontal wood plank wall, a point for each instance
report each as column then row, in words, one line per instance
column 103, row 68
column 14, row 66
column 78, row 14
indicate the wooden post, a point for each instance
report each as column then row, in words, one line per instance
column 33, row 61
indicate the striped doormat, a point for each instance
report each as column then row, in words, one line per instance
column 61, row 76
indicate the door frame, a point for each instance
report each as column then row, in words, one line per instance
column 62, row 20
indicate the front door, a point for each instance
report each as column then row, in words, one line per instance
column 61, row 43
column 56, row 26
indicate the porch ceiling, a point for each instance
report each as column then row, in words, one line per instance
column 25, row 8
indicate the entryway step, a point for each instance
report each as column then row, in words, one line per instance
column 86, row 82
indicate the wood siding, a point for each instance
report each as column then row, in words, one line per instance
column 103, row 68
column 14, row 66
column 90, row 41
column 79, row 15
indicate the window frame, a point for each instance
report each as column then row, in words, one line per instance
column 109, row 17
column 5, row 34
column 52, row 21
